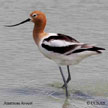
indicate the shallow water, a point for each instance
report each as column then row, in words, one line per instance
column 26, row 75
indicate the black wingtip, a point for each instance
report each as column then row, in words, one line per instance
column 98, row 49
column 95, row 49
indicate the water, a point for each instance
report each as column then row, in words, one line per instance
column 26, row 75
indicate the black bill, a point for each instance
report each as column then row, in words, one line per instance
column 27, row 20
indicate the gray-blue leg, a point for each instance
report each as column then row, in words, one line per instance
column 65, row 83
column 69, row 76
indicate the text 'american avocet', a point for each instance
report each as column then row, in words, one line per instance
column 62, row 49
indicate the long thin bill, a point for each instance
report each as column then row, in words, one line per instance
column 27, row 20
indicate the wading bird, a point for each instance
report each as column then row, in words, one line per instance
column 62, row 49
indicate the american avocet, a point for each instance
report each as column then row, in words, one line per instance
column 62, row 49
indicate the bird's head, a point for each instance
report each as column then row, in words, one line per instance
column 37, row 17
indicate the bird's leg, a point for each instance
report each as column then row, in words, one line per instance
column 69, row 76
column 66, row 88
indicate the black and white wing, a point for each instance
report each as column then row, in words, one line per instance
column 66, row 45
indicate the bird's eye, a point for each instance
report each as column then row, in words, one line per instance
column 34, row 15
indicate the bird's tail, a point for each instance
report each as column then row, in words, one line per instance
column 97, row 49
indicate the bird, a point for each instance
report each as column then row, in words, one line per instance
column 62, row 49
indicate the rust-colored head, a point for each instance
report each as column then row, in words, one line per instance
column 39, row 19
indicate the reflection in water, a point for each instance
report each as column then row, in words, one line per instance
column 66, row 103
column 77, row 99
